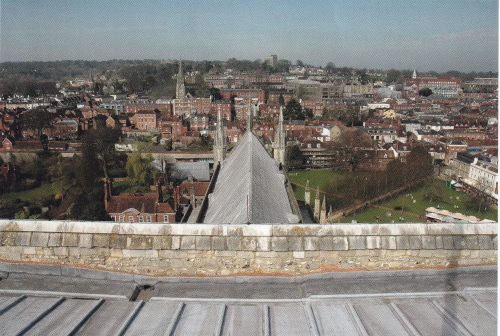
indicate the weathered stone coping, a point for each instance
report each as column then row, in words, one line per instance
column 250, row 230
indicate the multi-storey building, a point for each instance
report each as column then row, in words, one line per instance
column 190, row 106
column 445, row 86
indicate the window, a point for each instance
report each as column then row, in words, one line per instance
column 148, row 219
column 141, row 219
column 131, row 219
column 122, row 219
column 165, row 218
column 113, row 218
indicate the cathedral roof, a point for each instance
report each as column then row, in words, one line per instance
column 250, row 188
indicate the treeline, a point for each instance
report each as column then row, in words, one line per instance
column 358, row 186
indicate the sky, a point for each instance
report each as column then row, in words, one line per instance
column 425, row 35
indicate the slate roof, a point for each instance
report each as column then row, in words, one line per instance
column 250, row 188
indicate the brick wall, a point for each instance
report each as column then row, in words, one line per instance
column 203, row 249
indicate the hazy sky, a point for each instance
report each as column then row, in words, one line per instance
column 427, row 35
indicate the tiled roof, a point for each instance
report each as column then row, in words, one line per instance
column 144, row 203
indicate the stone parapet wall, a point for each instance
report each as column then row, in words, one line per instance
column 205, row 249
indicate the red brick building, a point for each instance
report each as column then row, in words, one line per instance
column 138, row 207
column 190, row 106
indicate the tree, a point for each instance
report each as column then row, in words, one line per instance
column 103, row 139
column 293, row 110
column 419, row 163
column 139, row 170
column 295, row 157
column 37, row 120
column 330, row 67
column 426, row 92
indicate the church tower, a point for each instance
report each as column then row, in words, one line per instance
column 220, row 141
column 180, row 89
column 280, row 141
column 414, row 74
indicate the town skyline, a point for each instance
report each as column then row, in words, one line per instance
column 449, row 35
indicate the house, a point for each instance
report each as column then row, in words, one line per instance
column 145, row 120
column 138, row 207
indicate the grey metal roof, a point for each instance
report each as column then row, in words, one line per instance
column 467, row 312
column 250, row 188
column 199, row 170
column 58, row 300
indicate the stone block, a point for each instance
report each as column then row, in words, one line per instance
column 426, row 253
column 295, row 243
column 357, row 243
column 458, row 242
column 471, row 242
column 226, row 254
column 85, row 240
column 373, row 242
column 403, row 243
column 298, row 254
column 140, row 253
column 69, row 239
column 117, row 241
column 203, row 243
column 8, row 238
column 39, row 239
column 439, row 242
column 340, row 243
column 116, row 253
column 326, row 243
column 248, row 243
column 267, row 254
column 29, row 250
column 233, row 243
column 388, row 242
column 428, row 242
column 485, row 242
column 176, row 242
column 245, row 255
column 74, row 251
column 448, row 242
column 494, row 240
column 415, row 242
column 218, row 243
column 100, row 240
column 162, row 242
column 23, row 238
column 61, row 251
column 279, row 244
column 486, row 254
column 136, row 242
column 263, row 243
column 311, row 243
column 188, row 243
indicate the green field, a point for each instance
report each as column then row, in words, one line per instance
column 412, row 201
column 38, row 194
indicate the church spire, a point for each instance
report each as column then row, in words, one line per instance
column 414, row 74
column 280, row 141
column 180, row 89
column 220, row 141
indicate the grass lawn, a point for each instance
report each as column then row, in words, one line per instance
column 317, row 178
column 37, row 194
column 412, row 201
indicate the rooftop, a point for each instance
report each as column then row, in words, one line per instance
column 57, row 300
column 250, row 188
